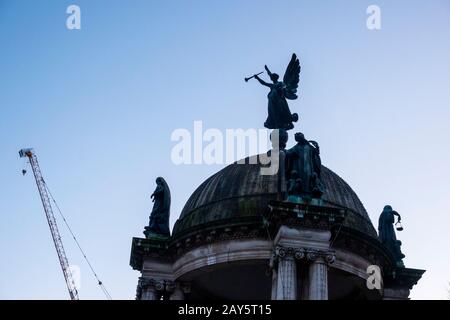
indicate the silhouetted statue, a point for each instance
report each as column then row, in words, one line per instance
column 303, row 168
column 159, row 218
column 279, row 115
column 386, row 233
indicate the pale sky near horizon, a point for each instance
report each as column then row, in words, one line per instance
column 99, row 106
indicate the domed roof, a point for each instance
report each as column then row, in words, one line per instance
column 239, row 191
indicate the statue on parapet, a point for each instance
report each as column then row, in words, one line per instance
column 386, row 233
column 159, row 217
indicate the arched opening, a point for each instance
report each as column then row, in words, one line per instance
column 237, row 280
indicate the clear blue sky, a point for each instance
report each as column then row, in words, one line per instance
column 99, row 105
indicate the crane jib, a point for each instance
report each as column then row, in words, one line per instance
column 51, row 222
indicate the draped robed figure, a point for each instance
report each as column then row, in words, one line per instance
column 386, row 232
column 159, row 217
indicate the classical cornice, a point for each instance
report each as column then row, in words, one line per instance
column 403, row 278
column 315, row 216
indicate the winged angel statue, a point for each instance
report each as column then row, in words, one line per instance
column 279, row 115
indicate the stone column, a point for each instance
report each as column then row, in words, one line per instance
column 298, row 243
column 149, row 289
column 149, row 293
column 285, row 278
column 318, row 280
column 318, row 275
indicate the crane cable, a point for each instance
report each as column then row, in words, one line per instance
column 100, row 283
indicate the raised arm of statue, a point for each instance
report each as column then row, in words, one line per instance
column 263, row 82
column 395, row 213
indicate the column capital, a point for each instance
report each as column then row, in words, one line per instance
column 156, row 286
column 308, row 254
column 321, row 256
column 282, row 252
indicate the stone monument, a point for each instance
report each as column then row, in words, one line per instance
column 301, row 233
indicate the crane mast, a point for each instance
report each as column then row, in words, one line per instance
column 43, row 192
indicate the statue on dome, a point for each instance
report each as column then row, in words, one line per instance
column 386, row 233
column 303, row 168
column 159, row 217
column 279, row 115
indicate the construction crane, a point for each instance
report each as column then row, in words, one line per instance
column 45, row 198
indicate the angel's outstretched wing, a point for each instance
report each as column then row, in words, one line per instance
column 291, row 78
